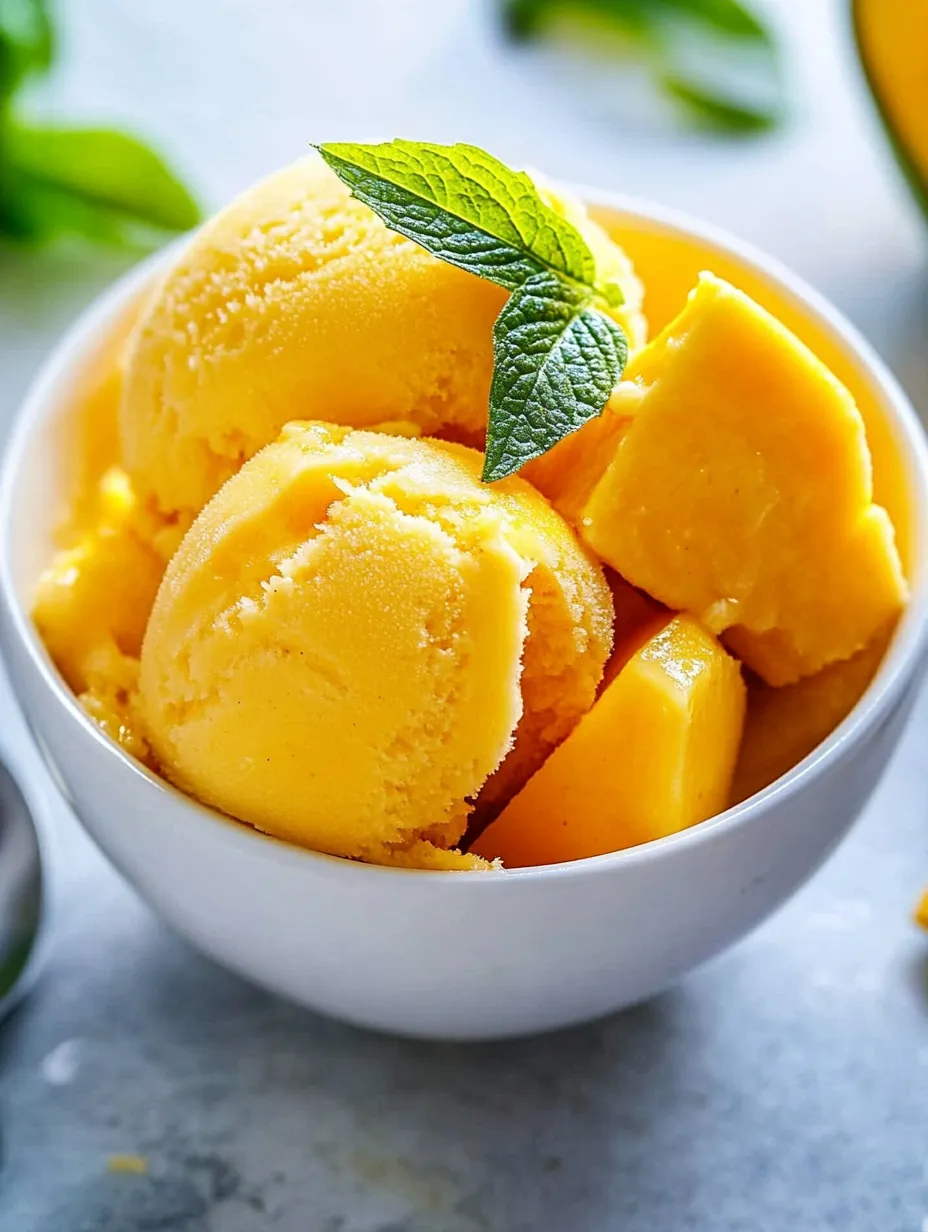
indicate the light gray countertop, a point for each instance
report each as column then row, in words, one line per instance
column 786, row 1085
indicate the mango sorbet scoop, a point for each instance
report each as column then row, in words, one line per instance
column 336, row 652
column 297, row 302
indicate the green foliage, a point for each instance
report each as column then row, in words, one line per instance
column 668, row 36
column 105, row 186
column 714, row 111
column 26, row 44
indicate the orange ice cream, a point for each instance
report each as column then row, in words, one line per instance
column 336, row 653
column 297, row 302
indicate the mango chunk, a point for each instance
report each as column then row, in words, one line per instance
column 784, row 725
column 568, row 473
column 99, row 591
column 638, row 617
column 921, row 911
column 892, row 37
column 741, row 492
column 654, row 755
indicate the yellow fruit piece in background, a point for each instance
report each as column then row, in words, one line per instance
column 921, row 911
column 137, row 1164
column 741, row 492
column 654, row 755
column 892, row 37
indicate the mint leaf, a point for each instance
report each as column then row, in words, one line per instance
column 557, row 359
column 612, row 293
column 97, row 169
column 556, row 354
column 465, row 207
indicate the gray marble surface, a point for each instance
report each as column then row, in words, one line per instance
column 786, row 1085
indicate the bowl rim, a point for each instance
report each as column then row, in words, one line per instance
column 900, row 665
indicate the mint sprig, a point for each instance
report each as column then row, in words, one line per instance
column 556, row 361
column 557, row 354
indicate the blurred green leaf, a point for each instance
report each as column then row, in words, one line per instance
column 664, row 35
column 105, row 186
column 727, row 18
column 38, row 213
column 529, row 18
column 107, row 171
column 715, row 111
column 26, row 42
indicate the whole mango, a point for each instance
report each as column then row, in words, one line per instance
column 892, row 38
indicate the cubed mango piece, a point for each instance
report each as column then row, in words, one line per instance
column 654, row 755
column 784, row 725
column 568, row 473
column 741, row 492
column 637, row 618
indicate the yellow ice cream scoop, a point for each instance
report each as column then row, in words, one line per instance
column 297, row 302
column 336, row 652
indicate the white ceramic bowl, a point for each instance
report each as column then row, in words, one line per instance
column 457, row 955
